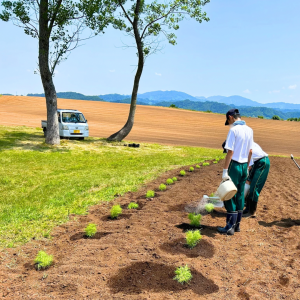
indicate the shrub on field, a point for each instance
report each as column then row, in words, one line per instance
column 197, row 166
column 192, row 238
column 90, row 230
column 206, row 164
column 215, row 162
column 192, row 169
column 133, row 205
column 195, row 219
column 174, row 178
column 162, row 187
column 183, row 274
column 169, row 181
column 182, row 173
column 115, row 211
column 150, row 194
column 209, row 207
column 43, row 260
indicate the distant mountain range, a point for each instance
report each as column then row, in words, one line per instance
column 218, row 104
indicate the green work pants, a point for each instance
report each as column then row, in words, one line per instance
column 258, row 176
column 238, row 174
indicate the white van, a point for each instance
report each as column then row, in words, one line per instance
column 72, row 123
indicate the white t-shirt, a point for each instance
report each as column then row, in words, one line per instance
column 240, row 141
column 257, row 153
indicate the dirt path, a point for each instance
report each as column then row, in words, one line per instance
column 155, row 124
column 135, row 256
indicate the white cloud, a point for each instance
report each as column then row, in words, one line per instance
column 246, row 91
column 274, row 92
column 157, row 74
column 292, row 87
column 112, row 71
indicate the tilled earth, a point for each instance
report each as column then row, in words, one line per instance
column 134, row 257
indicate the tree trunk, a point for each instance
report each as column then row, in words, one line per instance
column 122, row 133
column 52, row 136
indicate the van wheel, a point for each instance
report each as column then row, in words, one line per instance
column 45, row 131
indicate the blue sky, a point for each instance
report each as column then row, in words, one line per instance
column 248, row 48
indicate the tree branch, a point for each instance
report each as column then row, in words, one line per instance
column 54, row 15
column 125, row 13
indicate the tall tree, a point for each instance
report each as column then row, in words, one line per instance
column 57, row 24
column 145, row 21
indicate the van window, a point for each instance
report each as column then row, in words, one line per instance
column 70, row 117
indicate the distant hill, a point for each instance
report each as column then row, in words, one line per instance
column 70, row 95
column 218, row 104
column 222, row 108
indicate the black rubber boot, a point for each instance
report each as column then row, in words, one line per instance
column 238, row 221
column 230, row 224
column 252, row 210
column 246, row 210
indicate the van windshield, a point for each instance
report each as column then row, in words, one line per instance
column 73, row 117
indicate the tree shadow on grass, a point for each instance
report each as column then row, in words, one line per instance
column 154, row 277
column 203, row 248
column 27, row 141
column 285, row 223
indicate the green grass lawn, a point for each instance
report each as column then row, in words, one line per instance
column 41, row 185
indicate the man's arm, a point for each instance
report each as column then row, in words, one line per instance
column 228, row 159
column 249, row 157
column 227, row 162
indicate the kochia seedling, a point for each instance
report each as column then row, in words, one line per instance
column 209, row 207
column 197, row 166
column 169, row 181
column 206, row 164
column 182, row 173
column 115, row 211
column 192, row 238
column 162, row 187
column 192, row 169
column 133, row 205
column 90, row 230
column 150, row 194
column 215, row 162
column 195, row 219
column 174, row 178
column 183, row 274
column 43, row 260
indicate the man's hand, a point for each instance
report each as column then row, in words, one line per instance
column 225, row 173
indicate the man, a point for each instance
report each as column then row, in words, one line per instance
column 239, row 151
column 258, row 174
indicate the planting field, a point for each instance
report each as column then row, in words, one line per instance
column 135, row 255
column 155, row 124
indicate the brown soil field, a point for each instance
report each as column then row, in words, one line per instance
column 155, row 124
column 134, row 256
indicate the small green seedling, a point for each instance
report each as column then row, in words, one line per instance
column 174, row 178
column 133, row 205
column 169, row 181
column 150, row 194
column 192, row 238
column 183, row 274
column 197, row 166
column 115, row 211
column 209, row 207
column 195, row 219
column 182, row 173
column 215, row 162
column 212, row 195
column 206, row 164
column 43, row 260
column 162, row 187
column 90, row 230
column 192, row 169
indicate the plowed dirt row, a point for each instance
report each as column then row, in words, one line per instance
column 155, row 124
column 134, row 257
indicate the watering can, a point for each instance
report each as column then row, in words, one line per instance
column 227, row 189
